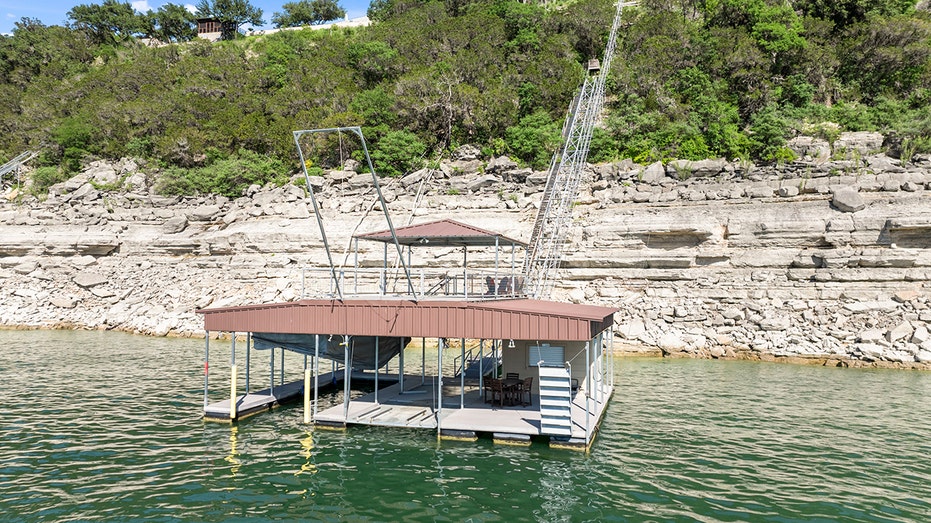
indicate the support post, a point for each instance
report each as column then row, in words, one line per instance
column 271, row 371
column 588, row 386
column 233, row 378
column 316, row 371
column 465, row 272
column 306, row 392
column 439, row 383
column 347, row 374
column 206, row 364
column 462, row 376
column 401, row 369
column 248, row 355
column 481, row 367
column 376, row 369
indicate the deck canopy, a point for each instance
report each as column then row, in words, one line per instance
column 503, row 319
column 443, row 233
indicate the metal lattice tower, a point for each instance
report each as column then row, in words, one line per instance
column 554, row 218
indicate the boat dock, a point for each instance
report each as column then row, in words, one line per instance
column 258, row 401
column 466, row 415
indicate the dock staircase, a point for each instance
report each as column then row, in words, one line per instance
column 554, row 216
column 16, row 163
column 485, row 366
column 556, row 401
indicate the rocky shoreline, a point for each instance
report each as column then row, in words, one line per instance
column 826, row 260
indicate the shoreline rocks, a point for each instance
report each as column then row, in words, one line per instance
column 731, row 261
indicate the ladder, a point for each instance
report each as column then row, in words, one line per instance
column 554, row 217
column 16, row 163
column 556, row 401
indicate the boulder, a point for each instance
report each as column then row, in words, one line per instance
column 415, row 177
column 775, row 323
column 633, row 329
column 811, row 147
column 653, row 173
column 863, row 142
column 488, row 180
column 847, row 199
column 871, row 336
column 500, row 165
column 464, row 167
column 89, row 279
column 63, row 303
column 920, row 335
column 86, row 192
column 466, row 152
column 899, row 332
column 537, row 178
column 671, row 342
column 905, row 296
column 205, row 213
column 340, row 176
column 788, row 191
column 175, row 225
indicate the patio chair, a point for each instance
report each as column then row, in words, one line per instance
column 526, row 388
column 489, row 389
column 497, row 391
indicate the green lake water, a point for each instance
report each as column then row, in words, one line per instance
column 107, row 427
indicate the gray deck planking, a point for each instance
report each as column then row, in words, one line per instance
column 415, row 408
column 264, row 399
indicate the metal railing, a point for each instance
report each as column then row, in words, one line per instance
column 373, row 282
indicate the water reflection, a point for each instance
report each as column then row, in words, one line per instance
column 307, row 448
column 232, row 458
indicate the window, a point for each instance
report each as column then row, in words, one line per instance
column 546, row 356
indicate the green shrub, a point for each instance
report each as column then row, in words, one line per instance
column 228, row 177
column 45, row 177
column 534, row 138
column 398, row 152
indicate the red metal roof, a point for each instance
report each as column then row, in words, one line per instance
column 501, row 319
column 442, row 233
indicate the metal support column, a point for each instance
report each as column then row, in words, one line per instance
column 316, row 372
column 439, row 383
column 206, row 364
column 401, row 369
column 233, row 377
column 306, row 391
column 462, row 376
column 271, row 371
column 248, row 355
column 347, row 374
column 588, row 386
column 376, row 369
column 465, row 272
column 481, row 369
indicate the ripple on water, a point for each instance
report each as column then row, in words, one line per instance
column 108, row 429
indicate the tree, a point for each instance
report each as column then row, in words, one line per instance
column 171, row 23
column 308, row 12
column 110, row 21
column 848, row 12
column 231, row 14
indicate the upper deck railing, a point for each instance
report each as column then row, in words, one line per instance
column 428, row 284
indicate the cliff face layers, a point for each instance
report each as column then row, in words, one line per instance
column 822, row 261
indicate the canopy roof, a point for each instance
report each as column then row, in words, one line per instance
column 501, row 319
column 443, row 233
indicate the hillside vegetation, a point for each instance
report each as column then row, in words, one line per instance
column 691, row 79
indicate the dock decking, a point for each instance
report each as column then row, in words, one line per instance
column 415, row 407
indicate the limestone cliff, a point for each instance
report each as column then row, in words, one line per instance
column 823, row 261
